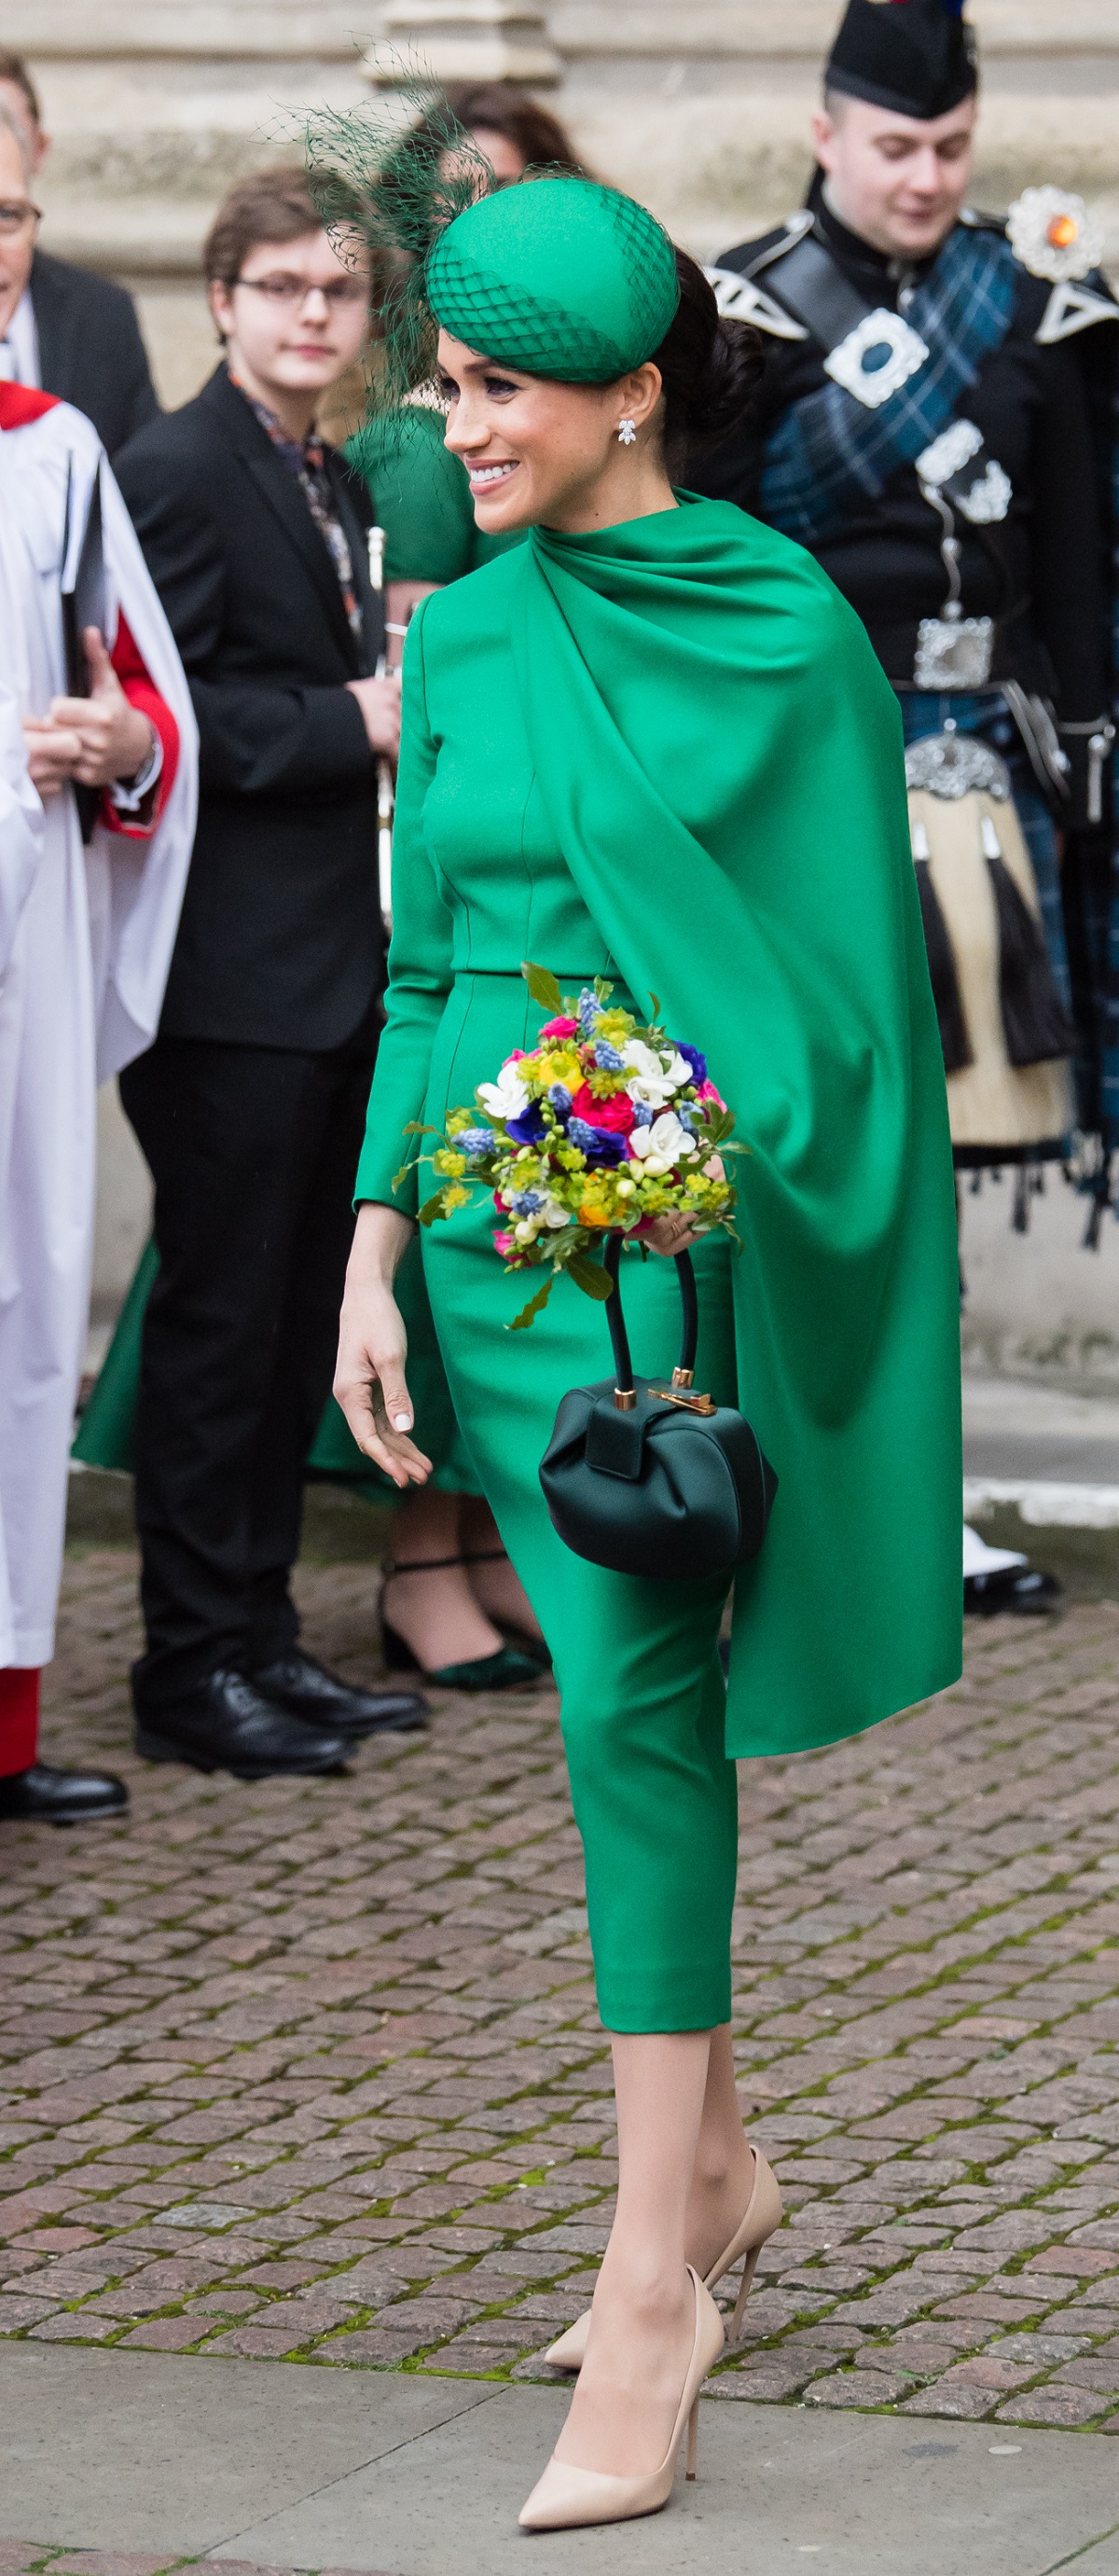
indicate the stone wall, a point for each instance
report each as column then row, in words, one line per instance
column 700, row 105
column 706, row 108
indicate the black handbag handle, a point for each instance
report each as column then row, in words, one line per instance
column 682, row 1376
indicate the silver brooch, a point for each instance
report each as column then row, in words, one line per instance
column 1051, row 231
column 955, row 764
column 877, row 358
column 988, row 498
column 954, row 652
column 954, row 449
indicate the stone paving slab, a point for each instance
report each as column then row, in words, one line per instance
column 313, row 2069
column 129, row 2464
column 156, row 2455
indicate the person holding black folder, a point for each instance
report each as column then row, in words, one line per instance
column 94, row 847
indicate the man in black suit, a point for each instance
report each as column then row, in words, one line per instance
column 250, row 1106
column 61, row 328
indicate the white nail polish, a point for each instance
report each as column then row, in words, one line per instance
column 402, row 1421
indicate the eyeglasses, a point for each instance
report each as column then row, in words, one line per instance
column 283, row 288
column 17, row 215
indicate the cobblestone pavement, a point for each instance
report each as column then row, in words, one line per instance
column 314, row 2068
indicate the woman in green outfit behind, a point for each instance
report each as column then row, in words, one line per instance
column 652, row 743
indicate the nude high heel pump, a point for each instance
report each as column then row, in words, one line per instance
column 566, row 2498
column 762, row 2217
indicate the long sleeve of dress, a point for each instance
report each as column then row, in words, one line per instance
column 419, row 962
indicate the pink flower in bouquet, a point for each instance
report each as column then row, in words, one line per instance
column 707, row 1091
column 515, row 1058
column 505, row 1244
column 614, row 1115
column 560, row 1028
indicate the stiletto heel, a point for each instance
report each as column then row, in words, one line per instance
column 567, row 2498
column 748, row 2270
column 762, row 2217
column 693, row 2443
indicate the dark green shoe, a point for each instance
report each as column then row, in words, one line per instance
column 509, row 1668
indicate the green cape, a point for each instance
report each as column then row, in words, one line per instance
column 721, row 758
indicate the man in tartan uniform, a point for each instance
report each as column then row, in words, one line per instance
column 935, row 424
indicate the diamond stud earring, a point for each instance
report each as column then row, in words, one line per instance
column 627, row 433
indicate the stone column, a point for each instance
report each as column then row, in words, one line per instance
column 463, row 40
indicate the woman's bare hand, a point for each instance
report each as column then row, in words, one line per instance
column 674, row 1234
column 370, row 1382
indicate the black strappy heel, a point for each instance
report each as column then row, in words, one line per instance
column 510, row 1667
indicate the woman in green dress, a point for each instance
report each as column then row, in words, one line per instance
column 652, row 743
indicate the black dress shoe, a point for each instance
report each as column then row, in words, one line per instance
column 229, row 1725
column 296, row 1682
column 44, row 1796
column 1017, row 1588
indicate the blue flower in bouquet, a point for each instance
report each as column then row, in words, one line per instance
column 698, row 1063
column 597, row 1143
column 526, row 1202
column 529, row 1127
column 559, row 1099
column 607, row 1057
column 475, row 1140
column 643, row 1115
column 589, row 1008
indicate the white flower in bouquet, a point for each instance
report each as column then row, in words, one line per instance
column 653, row 1079
column 507, row 1097
column 664, row 1143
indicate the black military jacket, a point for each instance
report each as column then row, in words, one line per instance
column 1043, row 572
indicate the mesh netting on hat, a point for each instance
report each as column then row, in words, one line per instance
column 388, row 177
column 559, row 276
column 555, row 274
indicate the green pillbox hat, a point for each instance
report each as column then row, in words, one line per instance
column 558, row 276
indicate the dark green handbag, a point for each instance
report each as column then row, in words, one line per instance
column 651, row 1479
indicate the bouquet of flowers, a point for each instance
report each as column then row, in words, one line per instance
column 604, row 1125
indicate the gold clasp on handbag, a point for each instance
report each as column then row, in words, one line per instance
column 675, row 1394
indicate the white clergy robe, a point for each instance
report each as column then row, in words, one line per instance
column 86, row 934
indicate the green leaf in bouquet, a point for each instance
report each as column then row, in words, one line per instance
column 432, row 1209
column 414, row 1128
column 535, row 1306
column 404, row 1174
column 590, row 1277
column 544, row 989
column 719, row 1131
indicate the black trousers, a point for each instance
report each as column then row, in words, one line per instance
column 253, row 1152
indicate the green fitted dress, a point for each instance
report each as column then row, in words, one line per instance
column 665, row 753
